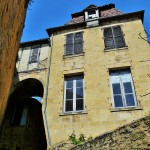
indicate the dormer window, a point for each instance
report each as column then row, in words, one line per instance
column 91, row 14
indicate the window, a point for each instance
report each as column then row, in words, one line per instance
column 74, row 43
column 34, row 55
column 92, row 14
column 74, row 94
column 122, row 89
column 113, row 38
column 20, row 114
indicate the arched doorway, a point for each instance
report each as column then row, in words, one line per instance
column 23, row 117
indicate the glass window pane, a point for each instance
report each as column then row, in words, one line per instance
column 79, row 92
column 116, row 88
column 79, row 83
column 24, row 116
column 69, row 93
column 128, row 87
column 114, row 78
column 69, row 84
column 130, row 100
column 118, row 101
column 125, row 75
column 69, row 105
column 79, row 104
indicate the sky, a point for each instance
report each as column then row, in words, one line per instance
column 43, row 14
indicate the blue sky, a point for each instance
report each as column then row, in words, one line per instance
column 51, row 13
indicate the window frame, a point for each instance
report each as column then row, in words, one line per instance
column 38, row 54
column 23, row 117
column 113, row 37
column 122, row 90
column 73, row 44
column 74, row 94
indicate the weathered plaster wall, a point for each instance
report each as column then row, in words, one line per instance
column 99, row 116
column 23, row 59
column 12, row 17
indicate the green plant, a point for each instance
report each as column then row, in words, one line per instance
column 76, row 141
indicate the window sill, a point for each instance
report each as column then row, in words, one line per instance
column 115, row 49
column 73, row 113
column 126, row 109
column 73, row 55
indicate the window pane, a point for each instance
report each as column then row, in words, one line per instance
column 79, row 83
column 116, row 88
column 128, row 87
column 69, row 49
column 69, row 84
column 24, row 116
column 130, row 100
column 118, row 101
column 115, row 78
column 79, row 92
column 69, row 105
column 69, row 93
column 79, row 104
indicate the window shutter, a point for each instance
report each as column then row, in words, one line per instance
column 69, row 44
column 78, row 43
column 118, row 37
column 34, row 55
column 108, row 38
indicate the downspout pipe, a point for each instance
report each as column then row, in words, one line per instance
column 46, row 93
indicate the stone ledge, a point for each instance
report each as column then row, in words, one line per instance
column 73, row 113
column 75, row 55
column 126, row 109
column 115, row 49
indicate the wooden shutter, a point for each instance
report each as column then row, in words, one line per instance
column 34, row 55
column 108, row 38
column 78, row 43
column 118, row 37
column 69, row 44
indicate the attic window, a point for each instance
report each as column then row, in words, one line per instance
column 91, row 14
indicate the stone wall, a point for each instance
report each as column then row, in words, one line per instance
column 12, row 16
column 135, row 135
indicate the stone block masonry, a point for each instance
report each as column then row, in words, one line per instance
column 12, row 16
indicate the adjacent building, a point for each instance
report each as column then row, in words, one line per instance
column 91, row 76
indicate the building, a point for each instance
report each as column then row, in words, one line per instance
column 92, row 75
column 12, row 16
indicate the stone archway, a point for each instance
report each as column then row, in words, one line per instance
column 23, row 121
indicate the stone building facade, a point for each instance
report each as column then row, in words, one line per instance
column 90, row 77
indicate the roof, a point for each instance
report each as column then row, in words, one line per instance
column 138, row 14
column 103, row 14
column 106, row 13
column 34, row 42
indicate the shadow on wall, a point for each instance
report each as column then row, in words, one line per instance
column 23, row 126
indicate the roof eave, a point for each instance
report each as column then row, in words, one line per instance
column 34, row 42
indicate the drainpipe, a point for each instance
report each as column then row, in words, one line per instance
column 46, row 93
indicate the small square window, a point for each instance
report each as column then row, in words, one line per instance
column 122, row 89
column 74, row 94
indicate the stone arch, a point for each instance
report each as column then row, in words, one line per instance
column 24, row 116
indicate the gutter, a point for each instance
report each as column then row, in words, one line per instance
column 46, row 94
